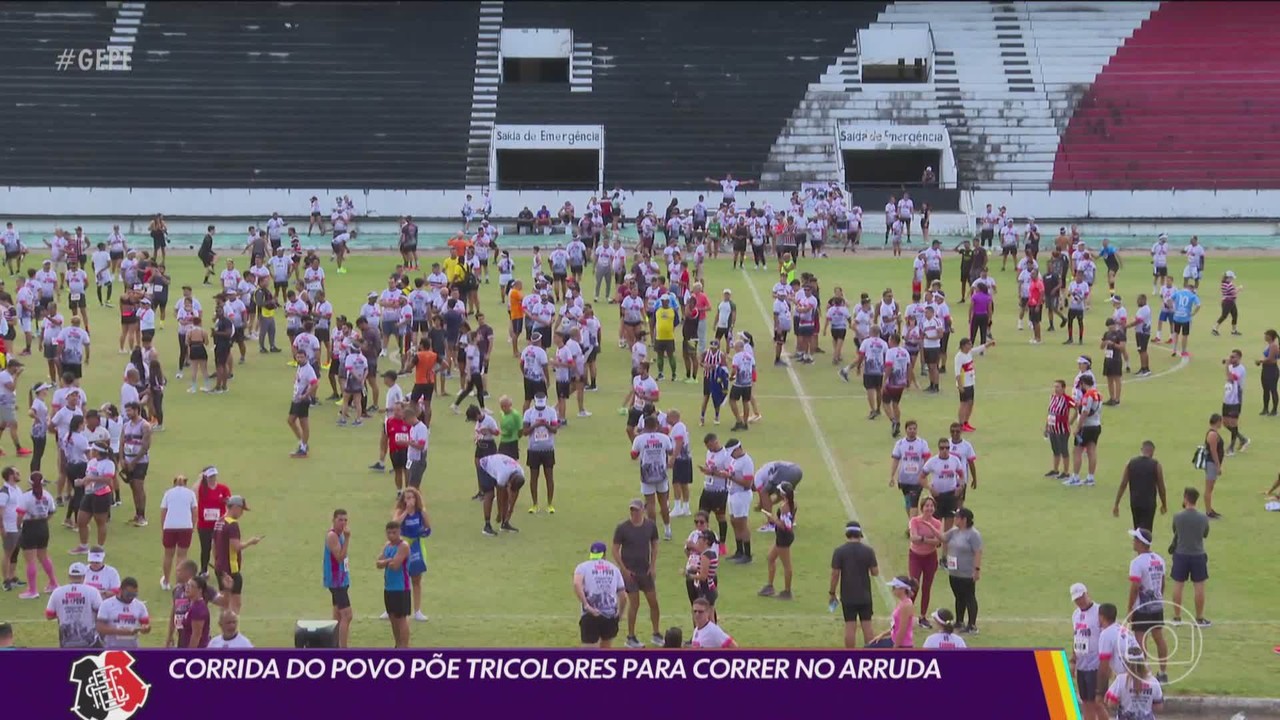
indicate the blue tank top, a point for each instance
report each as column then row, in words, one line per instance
column 335, row 573
column 397, row 579
column 413, row 526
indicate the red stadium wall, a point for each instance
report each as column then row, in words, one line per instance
column 1191, row 101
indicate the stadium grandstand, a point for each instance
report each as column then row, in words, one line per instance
column 951, row 99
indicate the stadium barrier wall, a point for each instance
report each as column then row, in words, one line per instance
column 1249, row 212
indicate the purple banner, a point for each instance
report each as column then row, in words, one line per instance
column 164, row 684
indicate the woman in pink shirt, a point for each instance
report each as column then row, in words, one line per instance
column 901, row 632
column 925, row 532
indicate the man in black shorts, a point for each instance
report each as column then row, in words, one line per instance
column 635, row 551
column 602, row 593
column 853, row 564
column 715, row 487
column 336, row 577
column 397, row 599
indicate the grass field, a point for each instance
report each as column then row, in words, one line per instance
column 515, row 590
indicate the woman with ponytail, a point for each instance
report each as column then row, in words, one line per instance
column 39, row 414
column 783, row 519
column 945, row 638
column 902, row 622
column 34, row 511
column 1134, row 693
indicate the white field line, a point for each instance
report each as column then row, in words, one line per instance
column 837, row 478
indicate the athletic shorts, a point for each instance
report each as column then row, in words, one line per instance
column 1146, row 620
column 872, row 382
column 856, row 612
column 1089, row 435
column 662, row 347
column 137, row 472
column 838, row 333
column 714, row 501
column 1181, row 328
column 1087, row 685
column 910, row 495
column 1166, row 316
column 892, row 395
column 682, row 472
column 639, row 582
column 532, row 388
column 648, row 489
column 398, row 603
column 780, row 336
column 399, row 459
column 633, row 417
column 175, row 538
column 931, row 355
column 1160, row 271
column 1058, row 444
column 96, row 504
column 594, row 628
column 740, row 392
column 1189, row 567
column 740, row 505
column 1231, row 411
column 1143, row 340
column 341, row 598
column 300, row 409
column 947, row 503
column 536, row 459
column 966, row 394
column 237, row 583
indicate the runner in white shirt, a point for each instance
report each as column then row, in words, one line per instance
column 1147, row 573
column 1195, row 261
column 943, row 475
column 75, row 606
column 123, row 618
column 729, row 187
column 655, row 450
column 1159, row 262
column 1086, row 630
column 966, row 379
column 305, row 384
column 502, row 477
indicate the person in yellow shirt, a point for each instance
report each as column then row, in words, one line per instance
column 453, row 268
column 265, row 301
column 664, row 334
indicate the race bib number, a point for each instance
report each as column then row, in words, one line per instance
column 139, row 287
column 132, row 448
column 402, row 438
column 1109, row 354
column 211, row 514
column 157, row 288
column 541, row 434
column 1082, row 645
column 952, row 564
column 911, row 467
column 75, row 297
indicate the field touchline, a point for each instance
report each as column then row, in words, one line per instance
column 818, row 435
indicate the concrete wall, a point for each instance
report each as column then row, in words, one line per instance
column 1244, row 212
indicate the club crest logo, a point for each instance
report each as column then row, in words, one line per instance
column 107, row 688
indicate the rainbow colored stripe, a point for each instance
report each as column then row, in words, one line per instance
column 1059, row 687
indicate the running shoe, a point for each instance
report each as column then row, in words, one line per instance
column 378, row 466
column 419, row 616
column 968, row 428
column 766, row 528
column 533, row 510
column 551, row 510
column 634, row 643
column 657, row 640
column 784, row 595
column 23, row 452
column 488, row 530
column 508, row 527
column 29, row 595
column 766, row 591
column 1203, row 622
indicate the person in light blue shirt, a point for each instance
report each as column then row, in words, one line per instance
column 1185, row 306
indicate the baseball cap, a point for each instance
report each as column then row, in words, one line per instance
column 727, row 291
column 636, row 504
column 1231, row 273
column 237, row 501
column 210, row 471
column 77, row 568
column 597, row 550
column 41, row 387
column 1142, row 535
column 1078, row 591
column 97, row 556
column 540, row 401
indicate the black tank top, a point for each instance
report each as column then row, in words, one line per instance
column 1222, row 448
column 1142, row 482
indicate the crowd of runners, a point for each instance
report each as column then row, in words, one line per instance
column 426, row 330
